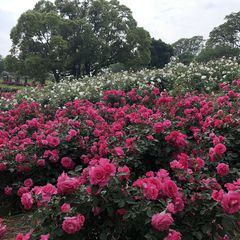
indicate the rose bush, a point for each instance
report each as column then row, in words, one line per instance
column 138, row 163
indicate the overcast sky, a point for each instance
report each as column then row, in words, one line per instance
column 165, row 19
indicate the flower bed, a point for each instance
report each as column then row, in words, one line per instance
column 137, row 163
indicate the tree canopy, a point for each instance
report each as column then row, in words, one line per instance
column 2, row 68
column 73, row 37
column 160, row 53
column 226, row 34
column 186, row 49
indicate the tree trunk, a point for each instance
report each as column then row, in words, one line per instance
column 56, row 76
column 87, row 69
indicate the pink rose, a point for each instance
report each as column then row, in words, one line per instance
column 150, row 191
column 28, row 182
column 3, row 228
column 41, row 162
column 124, row 172
column 8, row 191
column 222, row 169
column 65, row 207
column 170, row 189
column 67, row 162
column 22, row 190
column 19, row 158
column 167, row 123
column 45, row 237
column 220, row 149
column 53, row 141
column 65, row 184
column 231, row 202
column 158, row 127
column 173, row 235
column 98, row 175
column 162, row 221
column 20, row 236
column 110, row 168
column 47, row 191
column 27, row 200
column 217, row 195
column 119, row 151
column 72, row 225
column 3, row 166
column 72, row 132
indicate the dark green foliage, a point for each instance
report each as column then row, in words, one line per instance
column 78, row 38
column 160, row 53
column 217, row 52
column 227, row 34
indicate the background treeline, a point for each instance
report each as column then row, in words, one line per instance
column 73, row 38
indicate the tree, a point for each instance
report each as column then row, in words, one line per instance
column 1, row 64
column 212, row 53
column 188, row 48
column 227, row 34
column 79, row 37
column 37, row 36
column 160, row 53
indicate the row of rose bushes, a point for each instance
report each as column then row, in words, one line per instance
column 134, row 164
column 175, row 77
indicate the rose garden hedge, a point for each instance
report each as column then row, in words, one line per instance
column 135, row 164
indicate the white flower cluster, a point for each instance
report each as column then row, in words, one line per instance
column 175, row 77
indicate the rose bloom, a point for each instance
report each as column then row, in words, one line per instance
column 47, row 191
column 119, row 151
column 217, row 195
column 158, row 127
column 170, row 188
column 27, row 200
column 162, row 221
column 65, row 184
column 150, row 191
column 8, row 191
column 67, row 162
column 65, row 207
column 22, row 190
column 72, row 225
column 41, row 162
column 173, row 235
column 28, row 182
column 20, row 236
column 231, row 202
column 124, row 172
column 220, row 149
column 3, row 166
column 222, row 169
column 53, row 141
column 98, row 175
column 3, row 228
column 45, row 237
column 110, row 168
